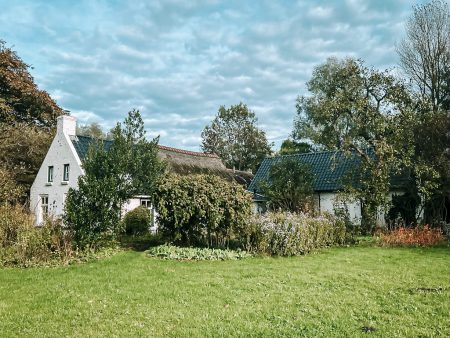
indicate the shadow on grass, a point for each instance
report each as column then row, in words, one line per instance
column 140, row 243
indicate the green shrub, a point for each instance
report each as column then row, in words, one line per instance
column 24, row 244
column 203, row 210
column 137, row 221
column 198, row 254
column 287, row 234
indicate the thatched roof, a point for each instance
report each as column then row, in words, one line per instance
column 182, row 162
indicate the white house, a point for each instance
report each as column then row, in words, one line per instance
column 330, row 169
column 63, row 165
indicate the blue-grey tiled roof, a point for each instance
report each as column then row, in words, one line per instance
column 82, row 143
column 330, row 170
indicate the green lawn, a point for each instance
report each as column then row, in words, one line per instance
column 395, row 292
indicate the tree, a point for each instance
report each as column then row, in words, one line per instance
column 10, row 192
column 234, row 136
column 365, row 113
column 425, row 51
column 128, row 168
column 27, row 119
column 425, row 57
column 289, row 147
column 20, row 99
column 93, row 130
column 289, row 186
column 22, row 150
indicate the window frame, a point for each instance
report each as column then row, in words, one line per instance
column 44, row 205
column 50, row 174
column 66, row 173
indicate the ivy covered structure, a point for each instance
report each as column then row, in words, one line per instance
column 335, row 173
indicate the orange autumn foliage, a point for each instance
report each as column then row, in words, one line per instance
column 418, row 236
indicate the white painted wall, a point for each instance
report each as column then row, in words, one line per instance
column 61, row 152
column 329, row 201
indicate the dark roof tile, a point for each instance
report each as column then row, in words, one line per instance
column 330, row 170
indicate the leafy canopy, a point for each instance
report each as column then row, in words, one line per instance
column 201, row 209
column 20, row 99
column 27, row 120
column 235, row 137
column 130, row 167
column 364, row 112
column 289, row 186
column 289, row 147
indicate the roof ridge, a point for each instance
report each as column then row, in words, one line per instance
column 176, row 150
column 310, row 153
column 187, row 152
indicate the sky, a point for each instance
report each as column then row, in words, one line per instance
column 179, row 61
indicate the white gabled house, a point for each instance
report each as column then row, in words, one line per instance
column 59, row 172
column 63, row 165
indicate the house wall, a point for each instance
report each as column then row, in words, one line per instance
column 329, row 201
column 61, row 152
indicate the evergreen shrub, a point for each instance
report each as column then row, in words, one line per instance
column 137, row 221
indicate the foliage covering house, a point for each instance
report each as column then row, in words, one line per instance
column 63, row 165
column 333, row 171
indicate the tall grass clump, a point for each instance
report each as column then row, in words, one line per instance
column 24, row 244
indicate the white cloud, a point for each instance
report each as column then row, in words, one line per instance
column 179, row 61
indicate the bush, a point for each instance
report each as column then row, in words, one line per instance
column 137, row 221
column 24, row 244
column 203, row 210
column 418, row 236
column 198, row 254
column 289, row 186
column 288, row 234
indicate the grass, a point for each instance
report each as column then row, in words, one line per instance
column 340, row 292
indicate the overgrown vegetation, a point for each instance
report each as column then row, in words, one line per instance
column 196, row 254
column 418, row 236
column 23, row 244
column 288, row 234
column 128, row 168
column 201, row 209
column 289, row 186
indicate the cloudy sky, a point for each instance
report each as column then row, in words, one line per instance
column 178, row 61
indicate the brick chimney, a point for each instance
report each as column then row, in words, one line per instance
column 66, row 125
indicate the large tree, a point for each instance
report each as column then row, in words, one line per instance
column 128, row 168
column 21, row 101
column 425, row 57
column 235, row 137
column 365, row 113
column 425, row 51
column 27, row 119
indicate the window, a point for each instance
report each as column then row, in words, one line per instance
column 66, row 172
column 146, row 203
column 50, row 174
column 44, row 205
